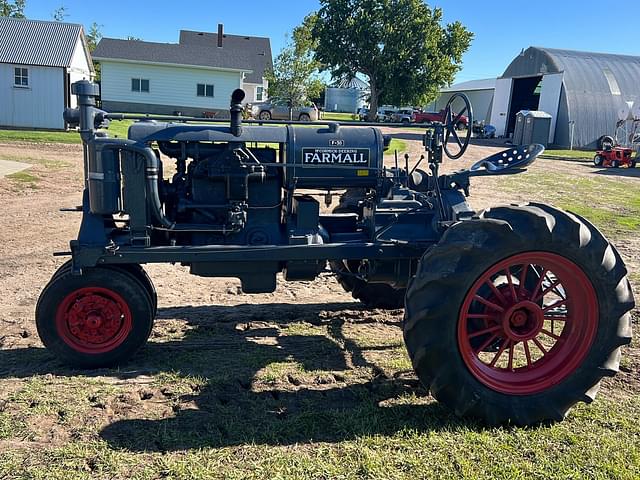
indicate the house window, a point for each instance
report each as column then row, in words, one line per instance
column 21, row 77
column 139, row 85
column 259, row 93
column 204, row 90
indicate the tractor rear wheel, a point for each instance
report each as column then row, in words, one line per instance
column 97, row 319
column 493, row 345
column 373, row 295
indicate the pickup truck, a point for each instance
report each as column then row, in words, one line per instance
column 424, row 117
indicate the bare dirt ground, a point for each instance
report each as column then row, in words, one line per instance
column 220, row 366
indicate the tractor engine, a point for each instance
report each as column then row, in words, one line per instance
column 259, row 186
column 246, row 194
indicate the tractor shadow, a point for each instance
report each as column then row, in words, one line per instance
column 228, row 346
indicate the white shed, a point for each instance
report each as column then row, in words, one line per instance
column 39, row 61
column 479, row 92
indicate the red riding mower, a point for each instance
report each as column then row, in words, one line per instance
column 614, row 157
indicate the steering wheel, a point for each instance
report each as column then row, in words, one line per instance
column 451, row 121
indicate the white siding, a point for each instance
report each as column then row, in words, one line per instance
column 481, row 101
column 38, row 106
column 251, row 89
column 168, row 85
column 79, row 69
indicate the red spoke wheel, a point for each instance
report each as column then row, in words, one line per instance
column 96, row 319
column 515, row 316
column 540, row 342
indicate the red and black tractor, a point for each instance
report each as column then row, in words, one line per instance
column 614, row 157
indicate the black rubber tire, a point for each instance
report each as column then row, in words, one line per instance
column 373, row 295
column 264, row 115
column 141, row 275
column 597, row 160
column 615, row 163
column 460, row 126
column 136, row 271
column 632, row 163
column 62, row 284
column 604, row 141
column 304, row 117
column 447, row 272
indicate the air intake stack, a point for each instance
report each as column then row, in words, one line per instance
column 236, row 112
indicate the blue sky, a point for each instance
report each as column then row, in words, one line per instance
column 502, row 28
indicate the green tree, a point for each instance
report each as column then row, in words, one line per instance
column 93, row 37
column 60, row 13
column 294, row 77
column 400, row 45
column 13, row 9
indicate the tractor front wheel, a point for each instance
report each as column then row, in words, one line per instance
column 517, row 315
column 597, row 160
column 97, row 319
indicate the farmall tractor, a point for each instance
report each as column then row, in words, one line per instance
column 512, row 314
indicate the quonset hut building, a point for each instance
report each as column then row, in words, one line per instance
column 582, row 91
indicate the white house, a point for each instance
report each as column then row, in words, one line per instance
column 38, row 63
column 194, row 77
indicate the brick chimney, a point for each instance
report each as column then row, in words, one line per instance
column 220, row 34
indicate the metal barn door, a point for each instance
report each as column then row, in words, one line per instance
column 501, row 100
column 550, row 99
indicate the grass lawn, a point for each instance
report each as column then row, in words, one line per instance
column 613, row 207
column 118, row 129
column 264, row 388
column 578, row 154
column 396, row 144
column 36, row 136
column 345, row 117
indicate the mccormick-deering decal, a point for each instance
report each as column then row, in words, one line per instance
column 333, row 155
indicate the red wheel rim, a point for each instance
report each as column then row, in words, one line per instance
column 527, row 323
column 93, row 320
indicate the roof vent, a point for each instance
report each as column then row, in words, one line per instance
column 220, row 34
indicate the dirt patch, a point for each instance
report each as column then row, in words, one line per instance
column 302, row 364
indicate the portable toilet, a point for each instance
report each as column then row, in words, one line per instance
column 537, row 126
column 519, row 128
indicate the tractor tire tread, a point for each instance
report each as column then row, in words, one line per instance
column 464, row 252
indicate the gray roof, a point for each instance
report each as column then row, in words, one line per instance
column 254, row 50
column 354, row 82
column 36, row 42
column 595, row 86
column 251, row 54
column 470, row 85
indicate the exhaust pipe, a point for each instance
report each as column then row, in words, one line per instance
column 236, row 112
